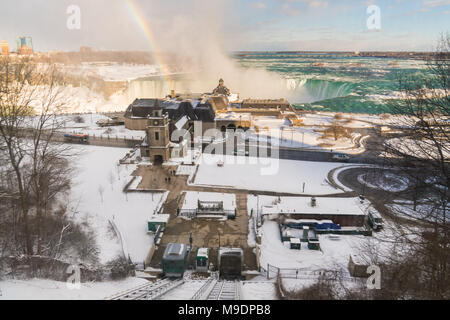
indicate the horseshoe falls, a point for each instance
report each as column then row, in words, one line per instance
column 336, row 82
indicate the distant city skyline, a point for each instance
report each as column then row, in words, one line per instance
column 237, row 25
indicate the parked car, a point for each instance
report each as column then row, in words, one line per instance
column 341, row 157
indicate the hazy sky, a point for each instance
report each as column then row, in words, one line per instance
column 238, row 24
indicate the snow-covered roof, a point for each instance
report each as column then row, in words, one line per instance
column 302, row 205
column 295, row 240
column 202, row 252
column 180, row 123
column 234, row 116
column 223, row 250
column 162, row 218
column 191, row 199
column 307, row 221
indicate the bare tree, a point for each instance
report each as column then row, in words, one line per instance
column 421, row 153
column 30, row 99
column 101, row 190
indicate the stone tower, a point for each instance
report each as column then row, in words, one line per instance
column 158, row 137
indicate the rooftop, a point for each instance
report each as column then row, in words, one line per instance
column 302, row 205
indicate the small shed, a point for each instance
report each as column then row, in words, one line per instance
column 295, row 243
column 313, row 244
column 202, row 260
column 157, row 222
column 357, row 266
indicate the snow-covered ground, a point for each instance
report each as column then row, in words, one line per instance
column 423, row 212
column 266, row 174
column 115, row 71
column 334, row 253
column 82, row 99
column 38, row 289
column 386, row 181
column 89, row 126
column 424, row 149
column 283, row 135
column 348, row 120
column 258, row 290
column 335, row 249
column 97, row 197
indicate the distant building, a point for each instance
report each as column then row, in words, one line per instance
column 161, row 117
column 5, row 48
column 24, row 45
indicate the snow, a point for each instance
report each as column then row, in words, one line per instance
column 186, row 170
column 284, row 135
column 258, row 290
column 161, row 218
column 202, row 252
column 89, row 126
column 97, row 168
column 332, row 253
column 424, row 211
column 180, row 123
column 40, row 289
column 424, row 149
column 184, row 292
column 292, row 205
column 387, row 182
column 126, row 72
column 265, row 174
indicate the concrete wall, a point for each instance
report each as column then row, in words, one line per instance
column 136, row 124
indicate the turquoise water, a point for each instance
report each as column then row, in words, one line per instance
column 334, row 82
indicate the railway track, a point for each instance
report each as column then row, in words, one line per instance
column 225, row 290
column 150, row 291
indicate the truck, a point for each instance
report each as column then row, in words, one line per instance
column 375, row 220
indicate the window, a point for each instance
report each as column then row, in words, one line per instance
column 156, row 136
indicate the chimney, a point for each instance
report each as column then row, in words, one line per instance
column 313, row 202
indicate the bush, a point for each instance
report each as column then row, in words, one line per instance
column 121, row 268
column 78, row 119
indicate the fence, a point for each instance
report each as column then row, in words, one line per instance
column 273, row 272
column 192, row 213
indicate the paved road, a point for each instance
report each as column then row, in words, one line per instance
column 370, row 155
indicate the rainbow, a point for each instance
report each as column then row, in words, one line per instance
column 145, row 27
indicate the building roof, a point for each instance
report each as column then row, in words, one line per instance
column 161, row 218
column 175, row 251
column 202, row 252
column 325, row 206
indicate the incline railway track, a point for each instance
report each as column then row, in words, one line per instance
column 225, row 290
column 151, row 291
